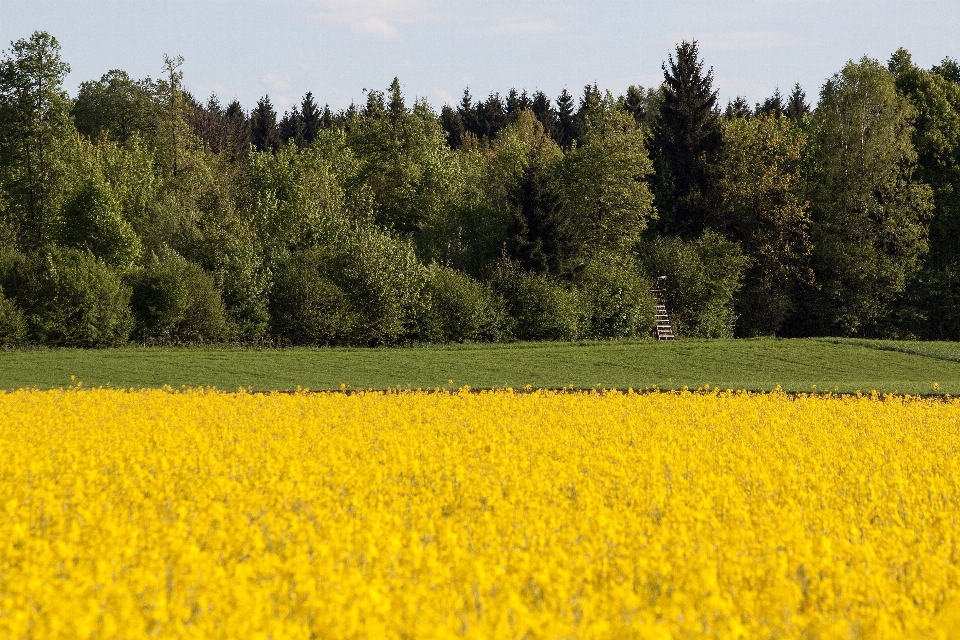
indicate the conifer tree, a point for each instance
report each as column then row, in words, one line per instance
column 263, row 126
column 566, row 123
column 738, row 108
column 397, row 108
column 291, row 128
column 452, row 124
column 797, row 106
column 468, row 113
column 686, row 144
column 772, row 106
column 540, row 105
column 311, row 118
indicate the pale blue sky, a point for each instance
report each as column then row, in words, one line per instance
column 337, row 48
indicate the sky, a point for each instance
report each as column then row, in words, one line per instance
column 337, row 49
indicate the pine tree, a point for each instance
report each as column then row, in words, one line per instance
column 291, row 128
column 566, row 122
column 517, row 102
column 589, row 103
column 772, row 106
column 491, row 116
column 634, row 103
column 263, row 126
column 397, row 108
column 326, row 118
column 310, row 116
column 452, row 125
column 739, row 108
column 468, row 113
column 686, row 144
column 540, row 105
column 797, row 106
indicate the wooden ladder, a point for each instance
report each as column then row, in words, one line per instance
column 664, row 328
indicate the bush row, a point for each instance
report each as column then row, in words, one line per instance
column 369, row 290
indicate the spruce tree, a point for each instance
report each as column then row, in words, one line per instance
column 397, row 108
column 291, row 128
column 238, row 130
column 686, row 144
column 566, row 121
column 772, row 106
column 797, row 106
column 540, row 105
column 263, row 126
column 452, row 125
column 491, row 116
column 311, row 118
column 589, row 103
column 738, row 108
column 634, row 103
column 468, row 113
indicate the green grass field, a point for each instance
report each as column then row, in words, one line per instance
column 761, row 364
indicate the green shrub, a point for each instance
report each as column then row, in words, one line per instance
column 367, row 290
column 541, row 308
column 93, row 220
column 307, row 307
column 617, row 298
column 702, row 277
column 13, row 324
column 175, row 301
column 461, row 309
column 70, row 298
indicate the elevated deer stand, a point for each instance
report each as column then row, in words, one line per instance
column 664, row 328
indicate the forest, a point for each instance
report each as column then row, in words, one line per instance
column 138, row 213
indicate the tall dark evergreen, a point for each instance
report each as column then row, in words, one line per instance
column 634, row 102
column 238, row 130
column 797, row 105
column 772, row 106
column 589, row 103
column 376, row 105
column 541, row 107
column 396, row 107
column 532, row 231
column 291, row 128
column 686, row 145
column 566, row 120
column 326, row 118
column 311, row 117
column 491, row 116
column 468, row 113
column 738, row 108
column 263, row 126
column 452, row 125
column 517, row 102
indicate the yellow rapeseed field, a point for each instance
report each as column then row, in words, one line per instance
column 491, row 515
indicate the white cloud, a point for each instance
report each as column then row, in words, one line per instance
column 375, row 17
column 275, row 83
column 375, row 26
column 443, row 97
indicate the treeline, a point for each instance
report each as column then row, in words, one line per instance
column 136, row 213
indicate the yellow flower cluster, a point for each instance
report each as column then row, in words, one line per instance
column 490, row 515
